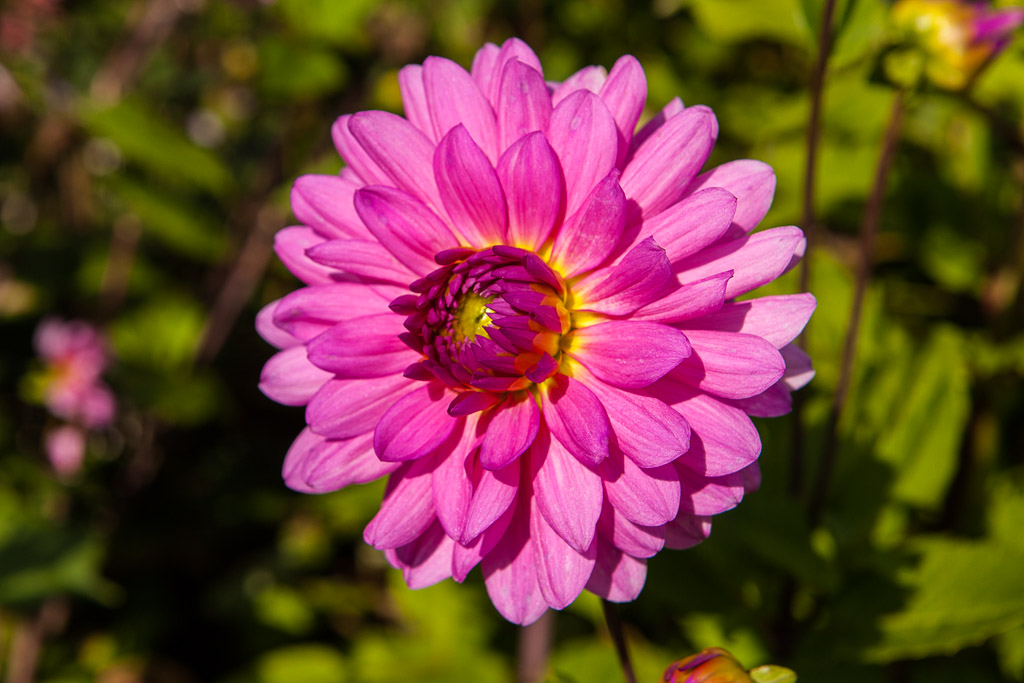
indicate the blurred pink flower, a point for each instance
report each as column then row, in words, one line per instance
column 65, row 448
column 75, row 356
column 523, row 310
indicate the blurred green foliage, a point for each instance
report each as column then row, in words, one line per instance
column 147, row 152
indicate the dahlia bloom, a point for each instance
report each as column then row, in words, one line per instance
column 524, row 311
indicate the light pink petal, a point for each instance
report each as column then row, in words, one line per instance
column 752, row 183
column 309, row 311
column 588, row 237
column 335, row 464
column 415, row 425
column 562, row 571
column 511, row 50
column 624, row 93
column 755, row 259
column 291, row 244
column 568, row 493
column 510, row 430
column 777, row 319
column 425, row 561
column 629, row 354
column 692, row 223
column 665, row 163
column 510, row 573
column 617, row 577
column 453, row 483
column 414, row 99
column 493, row 495
column 298, row 459
column 484, row 66
column 97, row 406
column 365, row 258
column 711, row 496
column 647, row 497
column 589, row 78
column 534, row 190
column 271, row 333
column 635, row 540
column 65, row 449
column 642, row 277
column 404, row 226
column 722, row 438
column 290, row 379
column 646, row 429
column 730, row 364
column 361, row 165
column 583, row 134
column 454, row 99
column 363, row 347
column 407, row 509
column 524, row 104
column 799, row 370
column 689, row 301
column 343, row 408
column 576, row 418
column 324, row 203
column 686, row 531
column 673, row 108
column 470, row 189
column 400, row 150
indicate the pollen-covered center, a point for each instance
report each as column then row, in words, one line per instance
column 487, row 321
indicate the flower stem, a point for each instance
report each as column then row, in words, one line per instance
column 869, row 226
column 534, row 648
column 611, row 617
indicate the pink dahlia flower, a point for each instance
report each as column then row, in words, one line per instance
column 523, row 310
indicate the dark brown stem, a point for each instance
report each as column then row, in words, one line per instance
column 534, row 649
column 869, row 226
column 611, row 617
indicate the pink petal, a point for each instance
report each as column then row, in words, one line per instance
column 752, row 183
column 510, row 430
column 469, row 555
column 454, row 99
column 470, row 189
column 645, row 428
column 484, row 67
column 638, row 541
column 414, row 99
column 647, row 497
column 363, row 347
column 665, row 163
column 271, row 333
column 290, row 379
column 335, row 464
column 343, row 408
column 324, row 203
column 589, row 78
column 583, row 134
column 405, row 227
column 494, row 494
column 617, row 577
column 799, row 370
column 568, row 493
column 290, row 246
column 65, row 449
column 360, row 163
column 589, row 236
column 562, row 571
column 673, row 108
column 692, row 223
column 730, row 364
column 642, row 277
column 686, row 531
column 425, row 561
column 415, row 425
column 688, row 301
column 310, row 311
column 711, row 496
column 755, row 259
column 512, row 50
column 524, row 104
column 629, row 354
column 624, row 93
column 453, row 483
column 407, row 509
column 777, row 319
column 775, row 401
column 365, row 258
column 534, row 189
column 510, row 573
column 576, row 418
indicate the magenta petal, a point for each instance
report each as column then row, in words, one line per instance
column 494, row 493
column 337, row 463
column 470, row 189
column 414, row 99
column 455, row 100
column 562, row 571
column 624, row 93
column 363, row 347
column 670, row 110
column 799, row 370
column 665, row 163
column 534, row 189
column 271, row 333
column 298, row 459
column 583, row 134
column 510, row 431
column 415, row 425
column 343, row 408
column 714, row 495
column 425, row 561
column 290, row 246
column 404, row 226
column 400, row 150
column 777, row 319
column 359, row 161
column 629, row 354
column 730, row 364
column 588, row 78
column 484, row 68
column 469, row 554
column 452, row 483
column 689, row 301
column 617, row 577
column 310, row 311
column 576, row 418
column 524, row 104
column 512, row 50
column 589, row 236
column 751, row 182
column 647, row 497
column 324, row 203
column 568, row 493
column 775, row 401
column 635, row 540
column 646, row 429
column 407, row 509
column 686, row 531
column 692, row 223
column 510, row 573
column 642, row 277
column 289, row 378
column 755, row 259
column 365, row 258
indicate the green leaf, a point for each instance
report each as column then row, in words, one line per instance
column 296, row 70
column 310, row 663
column 44, row 560
column 341, row 23
column 769, row 673
column 736, row 21
column 161, row 335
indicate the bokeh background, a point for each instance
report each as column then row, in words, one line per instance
column 147, row 149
